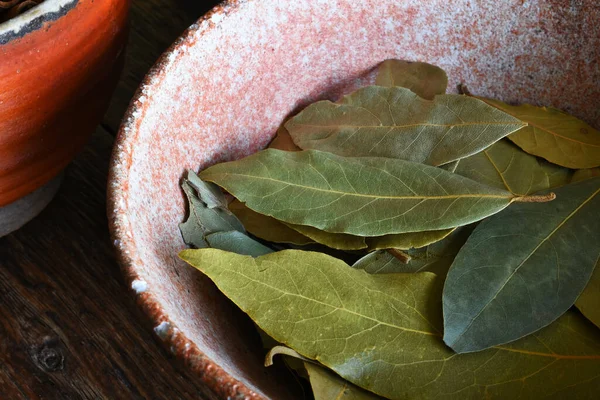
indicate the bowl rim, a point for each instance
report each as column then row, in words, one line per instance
column 209, row 372
column 34, row 18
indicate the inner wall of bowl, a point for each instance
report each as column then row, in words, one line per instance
column 224, row 92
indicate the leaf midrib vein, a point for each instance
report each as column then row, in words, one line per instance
column 512, row 350
column 334, row 307
column 564, row 221
column 507, row 123
column 477, row 195
column 534, row 125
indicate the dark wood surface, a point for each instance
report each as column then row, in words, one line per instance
column 69, row 327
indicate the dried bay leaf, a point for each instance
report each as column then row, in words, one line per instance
column 436, row 258
column 283, row 351
column 451, row 166
column 554, row 135
column 208, row 212
column 209, row 193
column 405, row 241
column 557, row 176
column 382, row 332
column 339, row 241
column 425, row 80
column 383, row 262
column 587, row 173
column 266, row 227
column 294, row 360
column 192, row 230
column 505, row 166
column 522, row 269
column 283, row 141
column 326, row 385
column 589, row 300
column 362, row 196
column 237, row 242
column 396, row 123
column 211, row 224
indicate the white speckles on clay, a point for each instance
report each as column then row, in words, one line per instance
column 139, row 286
column 222, row 93
column 216, row 18
column 162, row 330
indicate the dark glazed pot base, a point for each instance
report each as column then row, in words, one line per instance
column 18, row 213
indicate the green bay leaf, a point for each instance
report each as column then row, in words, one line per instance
column 504, row 165
column 425, row 80
column 362, row 196
column 554, row 135
column 266, row 227
column 589, row 300
column 383, row 332
column 396, row 123
column 522, row 269
column 326, row 385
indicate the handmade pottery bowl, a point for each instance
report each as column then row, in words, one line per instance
column 221, row 91
column 59, row 64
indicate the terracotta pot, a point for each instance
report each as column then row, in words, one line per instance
column 223, row 89
column 59, row 64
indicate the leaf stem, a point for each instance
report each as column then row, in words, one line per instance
column 400, row 255
column 462, row 89
column 536, row 198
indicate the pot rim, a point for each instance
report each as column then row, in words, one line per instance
column 209, row 372
column 34, row 18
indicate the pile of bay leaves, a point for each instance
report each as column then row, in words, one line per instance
column 411, row 244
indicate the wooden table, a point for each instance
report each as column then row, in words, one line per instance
column 69, row 327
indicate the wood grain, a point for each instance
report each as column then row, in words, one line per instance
column 69, row 328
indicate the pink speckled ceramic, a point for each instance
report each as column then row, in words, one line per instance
column 223, row 89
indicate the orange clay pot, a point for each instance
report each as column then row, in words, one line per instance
column 59, row 64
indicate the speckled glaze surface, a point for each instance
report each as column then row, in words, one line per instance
column 221, row 91
column 59, row 64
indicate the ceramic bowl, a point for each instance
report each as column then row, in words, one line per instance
column 221, row 91
column 59, row 64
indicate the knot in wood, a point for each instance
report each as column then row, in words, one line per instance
column 49, row 356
